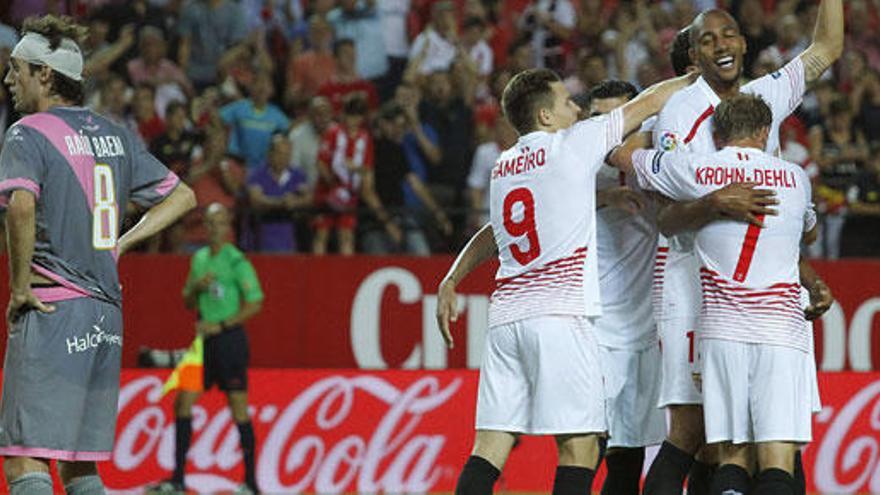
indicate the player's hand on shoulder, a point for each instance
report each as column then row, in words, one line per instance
column 447, row 309
column 21, row 302
column 623, row 198
column 744, row 202
column 821, row 300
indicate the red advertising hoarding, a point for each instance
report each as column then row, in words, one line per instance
column 409, row 431
column 378, row 312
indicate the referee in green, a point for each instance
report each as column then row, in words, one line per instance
column 224, row 288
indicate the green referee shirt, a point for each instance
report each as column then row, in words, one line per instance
column 234, row 279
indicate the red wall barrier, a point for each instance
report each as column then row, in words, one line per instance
column 410, row 431
column 378, row 312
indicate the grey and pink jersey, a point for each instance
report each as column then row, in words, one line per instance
column 83, row 170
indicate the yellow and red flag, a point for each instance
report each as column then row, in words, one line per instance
column 187, row 375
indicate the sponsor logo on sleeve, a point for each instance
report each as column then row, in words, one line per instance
column 669, row 141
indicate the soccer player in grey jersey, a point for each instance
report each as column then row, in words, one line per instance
column 66, row 174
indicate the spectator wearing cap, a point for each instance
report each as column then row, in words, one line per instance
column 305, row 138
column 252, row 122
column 345, row 164
column 275, row 192
column 152, row 67
column 392, row 172
column 207, row 30
column 308, row 71
column 347, row 81
column 434, row 48
column 358, row 20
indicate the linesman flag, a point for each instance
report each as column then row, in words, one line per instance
column 187, row 375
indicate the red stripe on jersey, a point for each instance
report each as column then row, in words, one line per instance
column 702, row 118
column 748, row 251
column 579, row 253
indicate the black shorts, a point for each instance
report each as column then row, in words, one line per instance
column 226, row 360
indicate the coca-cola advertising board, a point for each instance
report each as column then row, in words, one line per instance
column 330, row 431
column 378, row 312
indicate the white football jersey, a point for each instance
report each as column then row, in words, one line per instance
column 543, row 211
column 749, row 275
column 626, row 246
column 686, row 124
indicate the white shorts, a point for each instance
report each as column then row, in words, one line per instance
column 680, row 358
column 680, row 303
column 632, row 384
column 817, row 399
column 756, row 393
column 542, row 376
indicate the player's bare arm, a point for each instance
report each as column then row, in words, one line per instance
column 169, row 210
column 651, row 101
column 478, row 249
column 621, row 198
column 821, row 297
column 743, row 202
column 21, row 233
column 828, row 40
column 740, row 201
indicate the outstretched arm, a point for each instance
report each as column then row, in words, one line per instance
column 480, row 248
column 828, row 40
column 651, row 100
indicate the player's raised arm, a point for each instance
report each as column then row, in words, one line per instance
column 651, row 101
column 478, row 249
column 828, row 40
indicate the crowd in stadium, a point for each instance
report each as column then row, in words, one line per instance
column 370, row 126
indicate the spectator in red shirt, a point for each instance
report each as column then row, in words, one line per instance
column 347, row 82
column 143, row 105
column 345, row 165
column 152, row 67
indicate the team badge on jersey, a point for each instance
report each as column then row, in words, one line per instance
column 668, row 141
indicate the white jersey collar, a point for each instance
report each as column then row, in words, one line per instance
column 714, row 100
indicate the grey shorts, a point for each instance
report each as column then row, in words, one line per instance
column 61, row 382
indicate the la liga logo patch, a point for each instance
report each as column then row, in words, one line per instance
column 668, row 141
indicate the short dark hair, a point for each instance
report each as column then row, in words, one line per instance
column 354, row 105
column 525, row 94
column 839, row 105
column 680, row 52
column 55, row 29
column 613, row 88
column 740, row 117
column 390, row 111
column 175, row 105
column 341, row 43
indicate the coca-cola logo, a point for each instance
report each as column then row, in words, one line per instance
column 341, row 433
column 848, row 456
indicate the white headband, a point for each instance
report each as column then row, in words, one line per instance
column 67, row 59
